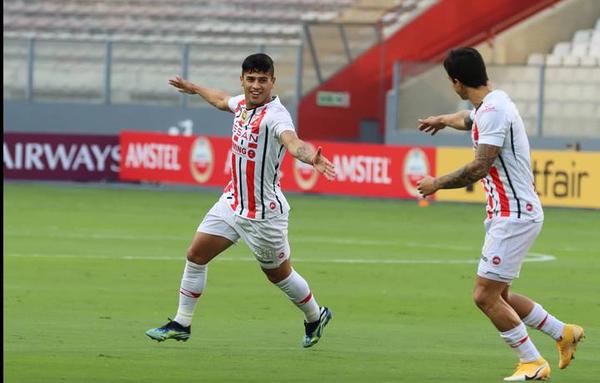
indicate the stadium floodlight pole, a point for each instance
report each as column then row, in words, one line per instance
column 541, row 94
column 30, row 64
column 313, row 52
column 107, row 71
column 185, row 61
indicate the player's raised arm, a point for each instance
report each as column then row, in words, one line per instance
column 459, row 120
column 306, row 153
column 215, row 97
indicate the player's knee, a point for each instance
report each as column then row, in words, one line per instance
column 482, row 298
column 195, row 256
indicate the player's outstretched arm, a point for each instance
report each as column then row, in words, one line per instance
column 306, row 153
column 215, row 97
column 459, row 120
column 471, row 172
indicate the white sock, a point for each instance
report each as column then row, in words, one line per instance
column 518, row 339
column 192, row 285
column 545, row 322
column 296, row 288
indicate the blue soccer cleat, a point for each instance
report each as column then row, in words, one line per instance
column 172, row 330
column 314, row 330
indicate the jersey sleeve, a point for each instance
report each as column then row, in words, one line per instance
column 280, row 122
column 234, row 101
column 492, row 125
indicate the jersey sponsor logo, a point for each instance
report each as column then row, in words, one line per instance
column 201, row 159
column 305, row 175
column 416, row 166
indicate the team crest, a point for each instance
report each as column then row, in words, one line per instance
column 244, row 115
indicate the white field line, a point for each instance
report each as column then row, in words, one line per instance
column 296, row 239
column 531, row 257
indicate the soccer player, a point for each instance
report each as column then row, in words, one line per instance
column 252, row 206
column 514, row 213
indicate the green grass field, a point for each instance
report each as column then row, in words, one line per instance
column 88, row 270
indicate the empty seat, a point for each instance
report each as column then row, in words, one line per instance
column 582, row 36
column 571, row 60
column 553, row 60
column 536, row 59
column 589, row 61
column 579, row 49
column 562, row 48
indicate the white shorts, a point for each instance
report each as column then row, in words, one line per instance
column 268, row 239
column 506, row 244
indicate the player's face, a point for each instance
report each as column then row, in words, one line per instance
column 257, row 87
column 459, row 88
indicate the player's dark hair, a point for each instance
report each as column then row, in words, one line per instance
column 258, row 62
column 466, row 65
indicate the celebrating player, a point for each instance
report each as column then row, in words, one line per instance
column 514, row 213
column 252, row 206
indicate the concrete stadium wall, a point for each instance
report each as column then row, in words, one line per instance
column 22, row 116
column 541, row 32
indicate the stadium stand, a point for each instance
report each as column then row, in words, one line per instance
column 69, row 64
column 572, row 85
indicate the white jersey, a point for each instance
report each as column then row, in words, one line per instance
column 256, row 156
column 509, row 184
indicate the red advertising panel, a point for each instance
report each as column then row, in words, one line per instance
column 175, row 159
column 362, row 169
column 61, row 157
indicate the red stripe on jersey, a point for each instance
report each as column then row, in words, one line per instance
column 234, row 183
column 490, row 208
column 256, row 124
column 504, row 209
column 250, row 187
column 475, row 133
column 240, row 104
column 306, row 299
column 251, row 165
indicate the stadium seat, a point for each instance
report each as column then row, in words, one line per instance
column 579, row 49
column 571, row 60
column 589, row 61
column 553, row 60
column 562, row 48
column 536, row 59
column 582, row 36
